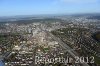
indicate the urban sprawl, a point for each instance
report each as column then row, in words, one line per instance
column 50, row 41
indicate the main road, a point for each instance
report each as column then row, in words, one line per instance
column 66, row 47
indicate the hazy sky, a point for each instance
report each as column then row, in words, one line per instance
column 34, row 7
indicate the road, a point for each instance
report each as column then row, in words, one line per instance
column 66, row 47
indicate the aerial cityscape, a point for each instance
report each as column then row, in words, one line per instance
column 49, row 32
column 51, row 41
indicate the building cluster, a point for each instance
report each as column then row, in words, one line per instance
column 29, row 44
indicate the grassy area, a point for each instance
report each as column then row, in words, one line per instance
column 96, row 36
column 96, row 59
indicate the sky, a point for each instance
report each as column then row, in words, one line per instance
column 37, row 7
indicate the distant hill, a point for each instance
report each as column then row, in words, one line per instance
column 94, row 17
column 27, row 21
